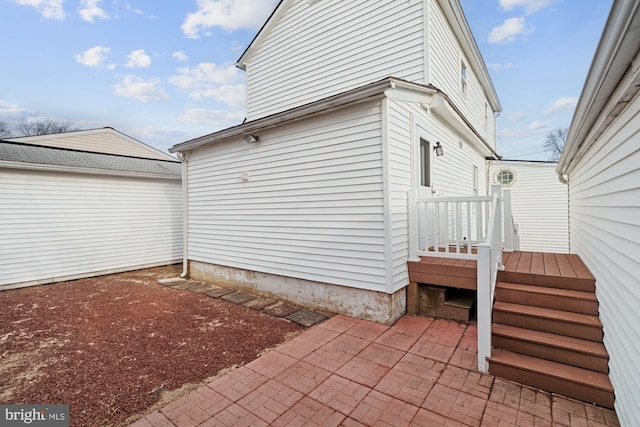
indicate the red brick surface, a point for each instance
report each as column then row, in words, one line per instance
column 349, row 372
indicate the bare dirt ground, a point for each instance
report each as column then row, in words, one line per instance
column 114, row 347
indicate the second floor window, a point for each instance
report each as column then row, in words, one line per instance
column 463, row 77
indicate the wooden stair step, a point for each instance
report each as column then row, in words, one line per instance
column 554, row 298
column 559, row 348
column 582, row 384
column 584, row 284
column 461, row 301
column 575, row 325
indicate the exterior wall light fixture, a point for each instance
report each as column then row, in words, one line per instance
column 251, row 138
column 438, row 149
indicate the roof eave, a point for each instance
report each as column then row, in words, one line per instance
column 261, row 34
column 617, row 50
column 85, row 171
column 455, row 15
column 363, row 93
column 446, row 109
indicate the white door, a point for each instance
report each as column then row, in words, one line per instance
column 423, row 150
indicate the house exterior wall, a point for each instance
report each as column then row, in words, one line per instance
column 604, row 190
column 445, row 56
column 311, row 205
column 321, row 48
column 539, row 202
column 62, row 226
column 459, row 158
column 400, row 181
column 404, row 119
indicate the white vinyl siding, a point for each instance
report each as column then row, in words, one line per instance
column 323, row 48
column 462, row 160
column 400, row 182
column 539, row 203
column 58, row 226
column 452, row 173
column 312, row 207
column 445, row 72
column 604, row 191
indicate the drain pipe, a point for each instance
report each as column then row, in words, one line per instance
column 185, row 211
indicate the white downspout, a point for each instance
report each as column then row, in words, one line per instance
column 185, row 211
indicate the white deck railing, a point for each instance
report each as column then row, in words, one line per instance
column 449, row 226
column 472, row 228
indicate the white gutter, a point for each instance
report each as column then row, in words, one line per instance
column 185, row 211
column 612, row 80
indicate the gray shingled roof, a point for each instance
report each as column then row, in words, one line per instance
column 33, row 154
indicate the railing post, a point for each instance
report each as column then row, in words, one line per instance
column 484, row 306
column 508, row 222
column 496, row 239
column 414, row 231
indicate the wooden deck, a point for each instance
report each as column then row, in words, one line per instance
column 455, row 273
column 548, row 268
column 545, row 327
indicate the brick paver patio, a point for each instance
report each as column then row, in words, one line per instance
column 348, row 372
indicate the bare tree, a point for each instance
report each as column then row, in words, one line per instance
column 4, row 130
column 42, row 126
column 554, row 143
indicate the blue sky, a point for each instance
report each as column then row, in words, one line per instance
column 163, row 71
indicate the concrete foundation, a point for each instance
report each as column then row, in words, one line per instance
column 363, row 304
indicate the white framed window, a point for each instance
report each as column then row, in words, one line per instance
column 463, row 77
column 425, row 163
column 505, row 177
column 475, row 180
column 486, row 115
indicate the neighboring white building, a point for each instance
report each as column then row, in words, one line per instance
column 67, row 214
column 308, row 199
column 601, row 163
column 102, row 140
column 539, row 203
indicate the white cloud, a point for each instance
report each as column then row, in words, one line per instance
column 510, row 134
column 90, row 9
column 217, row 118
column 538, row 126
column 517, row 116
column 529, row 6
column 232, row 95
column 50, row 9
column 138, row 58
column 561, row 105
column 237, row 46
column 137, row 88
column 508, row 31
column 206, row 74
column 93, row 57
column 534, row 128
column 227, row 14
column 499, row 67
column 10, row 111
column 129, row 8
column 180, row 56
column 208, row 80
